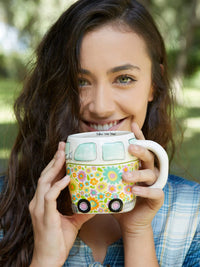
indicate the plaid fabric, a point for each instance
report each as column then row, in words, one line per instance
column 176, row 229
column 81, row 255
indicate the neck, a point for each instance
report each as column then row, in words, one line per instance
column 100, row 232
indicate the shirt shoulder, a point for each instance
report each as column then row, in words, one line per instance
column 176, row 226
column 182, row 191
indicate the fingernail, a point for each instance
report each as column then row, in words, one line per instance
column 59, row 145
column 136, row 190
column 66, row 178
column 127, row 175
column 135, row 148
column 58, row 154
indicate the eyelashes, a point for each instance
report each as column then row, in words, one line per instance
column 83, row 82
column 124, row 80
column 121, row 80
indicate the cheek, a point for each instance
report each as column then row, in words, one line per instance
column 134, row 104
column 136, row 108
column 84, row 99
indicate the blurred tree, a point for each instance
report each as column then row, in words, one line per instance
column 179, row 22
column 32, row 18
column 191, row 23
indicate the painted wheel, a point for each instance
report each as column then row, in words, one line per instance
column 84, row 206
column 115, row 205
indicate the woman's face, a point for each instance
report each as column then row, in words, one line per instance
column 114, row 81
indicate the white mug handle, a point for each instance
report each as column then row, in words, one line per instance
column 162, row 157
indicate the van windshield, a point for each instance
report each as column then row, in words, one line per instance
column 113, row 151
column 85, row 152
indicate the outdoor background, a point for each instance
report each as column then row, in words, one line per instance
column 23, row 23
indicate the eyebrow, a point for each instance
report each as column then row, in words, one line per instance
column 113, row 70
column 123, row 67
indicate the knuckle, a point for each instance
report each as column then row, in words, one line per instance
column 58, row 185
column 31, row 206
column 152, row 175
column 143, row 152
column 140, row 176
column 37, row 214
column 43, row 172
column 149, row 155
column 40, row 180
column 48, row 197
column 54, row 168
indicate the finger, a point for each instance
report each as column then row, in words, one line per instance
column 144, row 155
column 50, row 204
column 61, row 147
column 155, row 194
column 36, row 206
column 146, row 176
column 148, row 198
column 54, row 168
column 137, row 131
column 45, row 181
column 48, row 166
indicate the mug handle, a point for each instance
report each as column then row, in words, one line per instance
column 162, row 157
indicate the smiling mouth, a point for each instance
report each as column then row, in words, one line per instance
column 103, row 126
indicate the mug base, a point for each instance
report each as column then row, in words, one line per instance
column 83, row 206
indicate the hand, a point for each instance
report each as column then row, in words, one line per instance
column 149, row 200
column 54, row 234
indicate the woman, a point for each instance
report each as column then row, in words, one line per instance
column 102, row 64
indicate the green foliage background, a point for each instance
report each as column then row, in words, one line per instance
column 179, row 23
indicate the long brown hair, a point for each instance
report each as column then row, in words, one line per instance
column 47, row 109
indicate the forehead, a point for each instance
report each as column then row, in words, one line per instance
column 113, row 44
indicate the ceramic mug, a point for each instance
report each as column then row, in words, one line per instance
column 95, row 162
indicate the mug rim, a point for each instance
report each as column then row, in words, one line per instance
column 101, row 134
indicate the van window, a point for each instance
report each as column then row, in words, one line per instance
column 85, row 152
column 113, row 151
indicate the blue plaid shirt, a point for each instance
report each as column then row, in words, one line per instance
column 176, row 229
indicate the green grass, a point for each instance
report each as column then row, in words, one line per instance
column 8, row 91
column 185, row 163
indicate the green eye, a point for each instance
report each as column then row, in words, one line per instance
column 125, row 79
column 82, row 82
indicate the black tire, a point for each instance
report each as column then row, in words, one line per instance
column 115, row 205
column 84, row 206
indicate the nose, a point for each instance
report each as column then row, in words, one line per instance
column 102, row 102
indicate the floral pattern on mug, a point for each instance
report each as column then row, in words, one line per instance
column 98, row 185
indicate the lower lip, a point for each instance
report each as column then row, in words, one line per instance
column 113, row 128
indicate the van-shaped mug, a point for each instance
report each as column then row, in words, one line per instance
column 95, row 162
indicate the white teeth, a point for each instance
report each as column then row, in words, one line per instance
column 99, row 127
column 104, row 127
